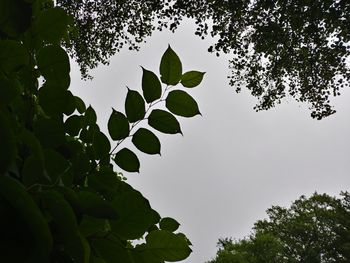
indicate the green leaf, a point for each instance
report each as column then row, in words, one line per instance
column 90, row 116
column 53, row 63
column 73, row 125
column 118, row 126
column 182, row 104
column 33, row 171
column 49, row 132
column 167, row 245
column 164, row 121
column 168, row 223
column 93, row 205
column 170, row 67
column 112, row 251
column 101, row 146
column 56, row 165
column 192, row 79
column 55, row 101
column 146, row 141
column 90, row 226
column 14, row 193
column 9, row 90
column 151, row 86
column 51, row 25
column 136, row 215
column 127, row 160
column 13, row 55
column 134, row 106
column 80, row 105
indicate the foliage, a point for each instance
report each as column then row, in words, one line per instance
column 279, row 48
column 315, row 229
column 61, row 199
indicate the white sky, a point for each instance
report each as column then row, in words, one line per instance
column 232, row 163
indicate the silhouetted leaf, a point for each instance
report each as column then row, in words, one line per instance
column 118, row 126
column 146, row 141
column 164, row 121
column 73, row 125
column 51, row 25
column 167, row 245
column 170, row 67
column 49, row 132
column 136, row 215
column 80, row 105
column 101, row 146
column 168, row 223
column 127, row 160
column 192, row 79
column 111, row 251
column 55, row 164
column 90, row 117
column 182, row 104
column 53, row 63
column 134, row 106
column 151, row 86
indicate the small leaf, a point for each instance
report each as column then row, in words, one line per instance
column 168, row 223
column 134, row 106
column 182, row 104
column 93, row 205
column 192, row 79
column 146, row 141
column 127, row 160
column 73, row 125
column 51, row 24
column 151, row 87
column 53, row 63
column 118, row 126
column 164, row 121
column 167, row 245
column 90, row 116
column 80, row 105
column 101, row 145
column 170, row 67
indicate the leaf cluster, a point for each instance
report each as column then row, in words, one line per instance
column 61, row 199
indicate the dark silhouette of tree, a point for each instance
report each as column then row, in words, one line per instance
column 280, row 48
column 315, row 230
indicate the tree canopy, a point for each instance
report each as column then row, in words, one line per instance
column 279, row 49
column 314, row 229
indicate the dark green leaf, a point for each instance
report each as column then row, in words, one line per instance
column 9, row 90
column 33, row 171
column 151, row 87
column 55, row 101
column 13, row 55
column 51, row 25
column 182, row 104
column 146, row 141
column 141, row 255
column 56, row 165
column 168, row 223
column 134, row 106
column 118, row 126
column 90, row 116
column 91, row 226
column 127, row 160
column 29, row 139
column 101, row 146
column 73, row 125
column 53, row 63
column 163, row 121
column 80, row 105
column 112, row 251
column 93, row 205
column 192, row 79
column 49, row 132
column 136, row 215
column 170, row 67
column 167, row 245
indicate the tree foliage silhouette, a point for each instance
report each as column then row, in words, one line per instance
column 314, row 230
column 62, row 198
column 283, row 48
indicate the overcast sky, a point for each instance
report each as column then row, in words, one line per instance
column 232, row 163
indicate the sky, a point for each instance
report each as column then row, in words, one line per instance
column 232, row 163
